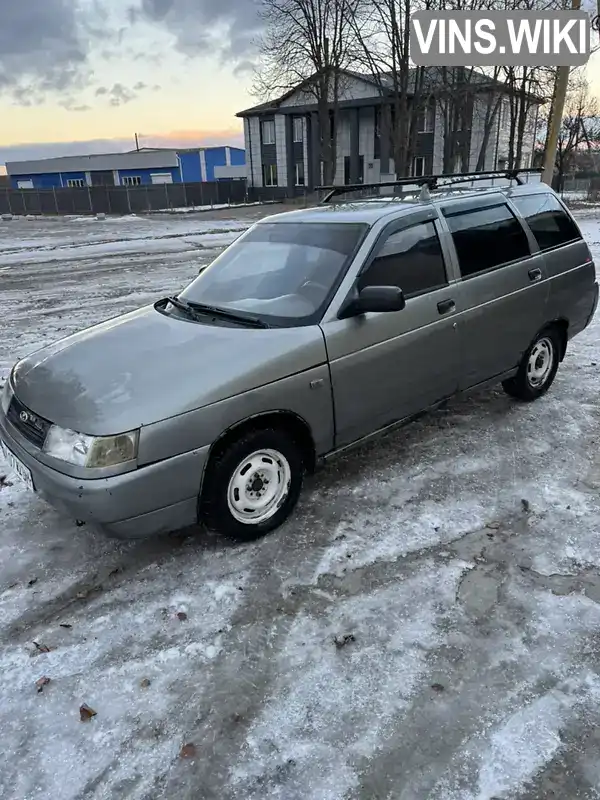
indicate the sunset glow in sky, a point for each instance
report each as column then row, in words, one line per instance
column 86, row 71
column 81, row 76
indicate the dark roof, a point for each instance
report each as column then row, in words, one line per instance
column 384, row 85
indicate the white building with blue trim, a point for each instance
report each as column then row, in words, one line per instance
column 146, row 166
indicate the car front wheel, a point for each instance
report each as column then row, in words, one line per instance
column 538, row 367
column 253, row 485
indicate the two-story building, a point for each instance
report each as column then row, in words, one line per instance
column 282, row 138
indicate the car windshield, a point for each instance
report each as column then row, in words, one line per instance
column 283, row 273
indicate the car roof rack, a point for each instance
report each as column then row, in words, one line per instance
column 430, row 182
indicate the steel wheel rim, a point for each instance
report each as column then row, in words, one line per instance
column 540, row 363
column 259, row 486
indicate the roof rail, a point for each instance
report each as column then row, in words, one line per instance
column 430, row 181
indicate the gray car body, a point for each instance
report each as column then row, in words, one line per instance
column 185, row 385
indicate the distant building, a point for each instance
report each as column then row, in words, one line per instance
column 282, row 137
column 136, row 168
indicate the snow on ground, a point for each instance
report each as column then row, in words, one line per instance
column 213, row 207
column 456, row 562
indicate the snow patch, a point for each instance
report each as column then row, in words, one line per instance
column 101, row 660
column 335, row 704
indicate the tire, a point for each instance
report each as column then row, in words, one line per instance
column 264, row 468
column 538, row 367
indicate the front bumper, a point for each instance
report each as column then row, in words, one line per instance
column 153, row 499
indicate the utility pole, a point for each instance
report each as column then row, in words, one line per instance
column 556, row 114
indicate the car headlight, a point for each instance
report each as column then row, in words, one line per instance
column 91, row 451
column 7, row 394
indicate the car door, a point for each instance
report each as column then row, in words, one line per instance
column 388, row 366
column 504, row 288
column 571, row 272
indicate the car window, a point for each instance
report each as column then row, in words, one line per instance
column 270, row 261
column 486, row 238
column 283, row 273
column 549, row 222
column 410, row 259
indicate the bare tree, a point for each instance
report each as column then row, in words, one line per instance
column 579, row 130
column 381, row 34
column 454, row 99
column 383, row 39
column 311, row 44
column 491, row 113
column 526, row 88
column 308, row 42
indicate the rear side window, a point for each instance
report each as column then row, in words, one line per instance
column 549, row 222
column 410, row 259
column 487, row 237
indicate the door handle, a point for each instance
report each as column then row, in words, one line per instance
column 446, row 305
column 535, row 274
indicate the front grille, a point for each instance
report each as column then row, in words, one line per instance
column 33, row 428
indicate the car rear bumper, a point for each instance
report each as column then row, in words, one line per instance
column 584, row 319
column 595, row 305
column 154, row 499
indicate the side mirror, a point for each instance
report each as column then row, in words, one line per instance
column 373, row 298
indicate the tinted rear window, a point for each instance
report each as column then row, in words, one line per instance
column 549, row 222
column 486, row 238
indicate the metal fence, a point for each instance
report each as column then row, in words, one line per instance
column 576, row 190
column 133, row 199
column 171, row 196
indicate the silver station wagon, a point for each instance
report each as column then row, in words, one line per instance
column 314, row 330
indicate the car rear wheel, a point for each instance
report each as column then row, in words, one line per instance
column 253, row 485
column 538, row 367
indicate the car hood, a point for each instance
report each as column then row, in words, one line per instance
column 144, row 366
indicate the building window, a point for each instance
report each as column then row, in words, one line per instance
column 377, row 133
column 76, row 183
column 426, row 120
column 161, row 177
column 418, row 167
column 298, row 129
column 131, row 180
column 361, row 170
column 268, row 131
column 299, row 173
column 270, row 174
column 26, row 184
column 457, row 165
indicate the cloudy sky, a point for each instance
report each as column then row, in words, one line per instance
column 85, row 75
column 96, row 71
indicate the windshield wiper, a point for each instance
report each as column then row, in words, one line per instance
column 226, row 314
column 182, row 306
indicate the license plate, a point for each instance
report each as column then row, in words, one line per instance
column 17, row 466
